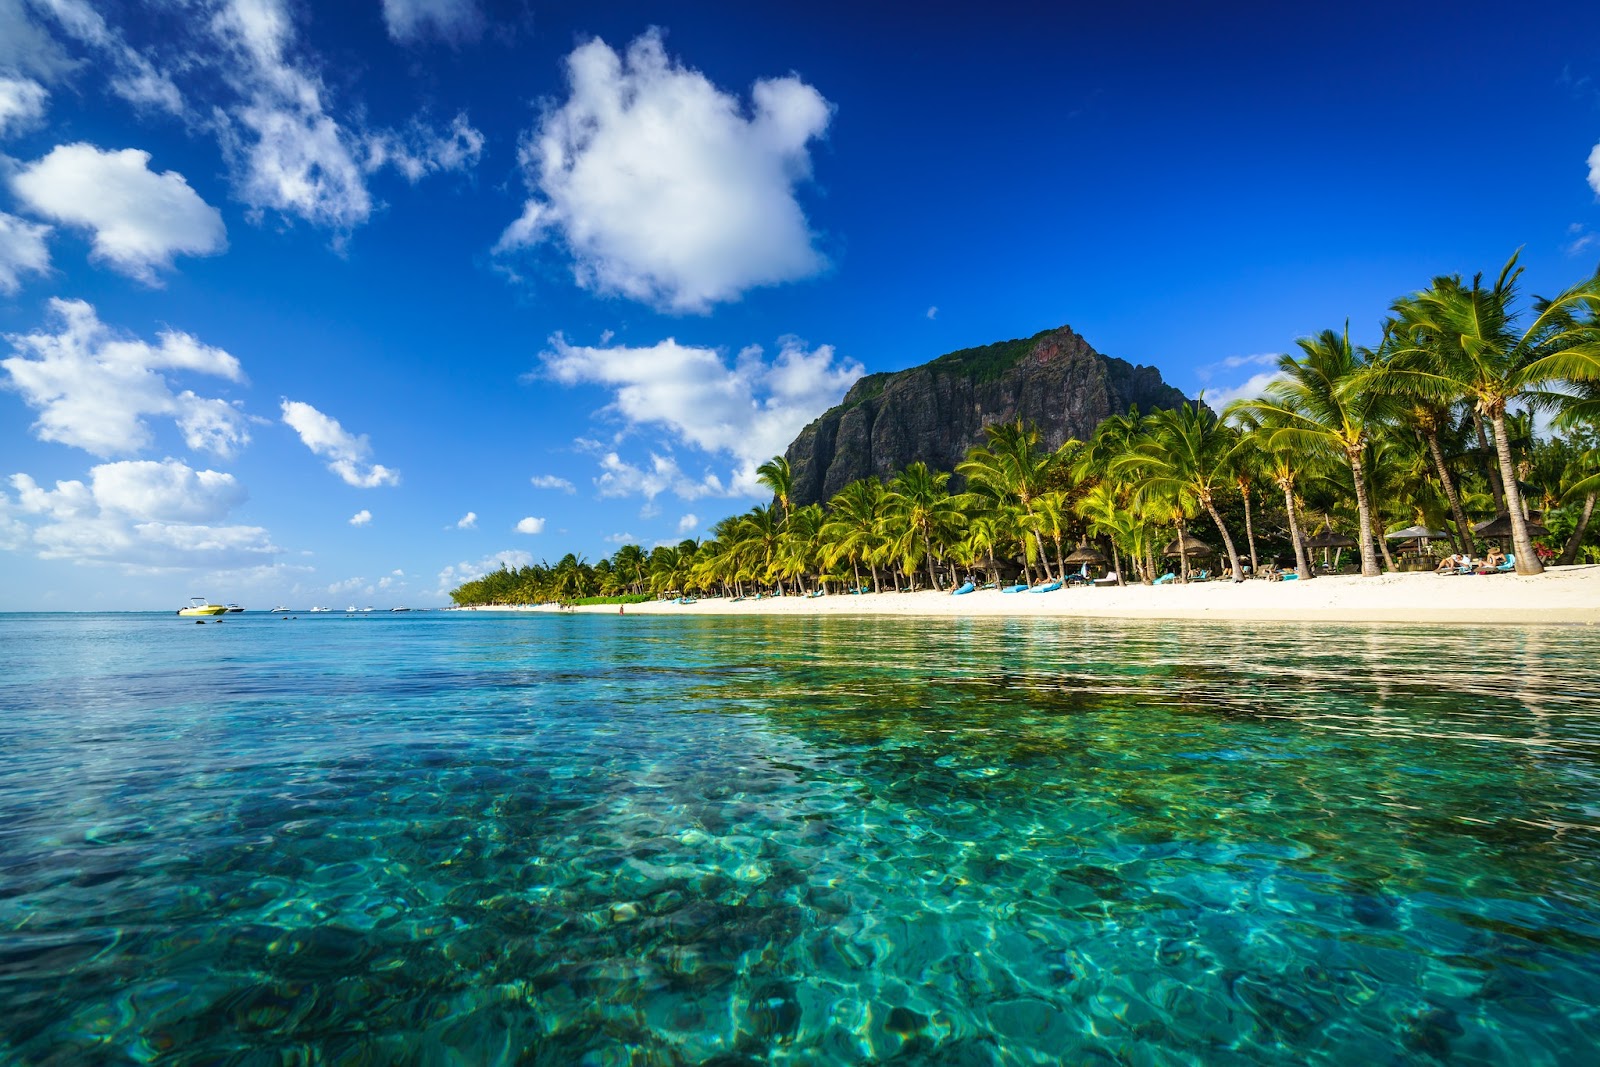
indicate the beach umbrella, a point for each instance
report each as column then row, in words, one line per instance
column 1328, row 539
column 1086, row 554
column 1191, row 546
column 1500, row 526
column 1412, row 533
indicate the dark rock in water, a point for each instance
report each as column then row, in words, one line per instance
column 937, row 411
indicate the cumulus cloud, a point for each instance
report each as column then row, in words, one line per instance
column 141, row 515
column 665, row 189
column 689, row 522
column 132, row 76
column 550, row 481
column 22, row 103
column 94, row 389
column 530, row 525
column 1254, row 386
column 361, row 518
column 447, row 20
column 22, row 251
column 140, row 219
column 346, row 452
column 620, row 478
column 1594, row 169
column 750, row 410
column 469, row 521
column 1221, row 389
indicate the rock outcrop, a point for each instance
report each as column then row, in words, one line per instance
column 937, row 411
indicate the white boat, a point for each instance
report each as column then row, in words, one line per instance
column 351, row 610
column 321, row 609
column 233, row 608
column 399, row 609
column 198, row 605
column 280, row 607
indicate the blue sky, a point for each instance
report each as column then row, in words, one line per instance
column 329, row 304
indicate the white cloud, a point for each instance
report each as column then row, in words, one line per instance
column 140, row 219
column 132, row 76
column 1594, row 169
column 456, row 573
column 660, row 186
column 530, row 525
column 620, row 539
column 1252, row 387
column 933, row 312
column 141, row 515
column 550, row 481
column 26, row 48
column 448, row 20
column 750, row 411
column 469, row 521
column 1580, row 237
column 22, row 103
column 22, row 251
column 689, row 522
column 361, row 518
column 620, row 478
column 421, row 151
column 346, row 452
column 350, row 585
column 93, row 389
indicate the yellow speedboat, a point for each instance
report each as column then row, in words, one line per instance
column 199, row 606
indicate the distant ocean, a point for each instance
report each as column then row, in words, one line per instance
column 599, row 840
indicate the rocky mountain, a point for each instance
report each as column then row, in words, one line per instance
column 937, row 411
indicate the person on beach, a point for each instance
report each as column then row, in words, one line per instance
column 1449, row 563
column 1494, row 559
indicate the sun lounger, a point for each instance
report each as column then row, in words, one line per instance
column 963, row 589
column 1047, row 587
column 1166, row 579
column 1018, row 588
column 1109, row 579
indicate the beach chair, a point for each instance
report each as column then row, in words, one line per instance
column 1018, row 588
column 1166, row 579
column 963, row 589
column 1048, row 587
column 1109, row 579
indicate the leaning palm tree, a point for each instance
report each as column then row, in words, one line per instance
column 854, row 529
column 1466, row 341
column 776, row 475
column 1184, row 458
column 1320, row 403
column 1281, row 463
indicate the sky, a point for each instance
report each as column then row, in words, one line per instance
column 332, row 304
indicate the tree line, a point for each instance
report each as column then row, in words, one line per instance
column 1433, row 426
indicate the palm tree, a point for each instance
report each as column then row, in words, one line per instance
column 1281, row 463
column 921, row 516
column 1319, row 404
column 1010, row 467
column 775, row 475
column 1183, row 458
column 1464, row 341
column 854, row 529
column 1108, row 518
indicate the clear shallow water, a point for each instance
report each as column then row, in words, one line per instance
column 470, row 839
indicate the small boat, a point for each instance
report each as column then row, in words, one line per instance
column 399, row 609
column 321, row 609
column 351, row 610
column 366, row 609
column 280, row 607
column 198, row 605
column 233, row 608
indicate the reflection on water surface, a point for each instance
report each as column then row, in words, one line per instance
column 659, row 841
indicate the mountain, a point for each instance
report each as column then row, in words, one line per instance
column 937, row 411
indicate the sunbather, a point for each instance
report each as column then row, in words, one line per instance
column 1449, row 565
column 1495, row 558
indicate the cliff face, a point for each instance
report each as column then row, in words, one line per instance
column 937, row 411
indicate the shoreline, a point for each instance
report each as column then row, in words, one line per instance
column 1565, row 595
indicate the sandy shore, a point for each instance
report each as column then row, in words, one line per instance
column 1567, row 595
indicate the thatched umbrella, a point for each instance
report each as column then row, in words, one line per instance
column 1328, row 539
column 1500, row 526
column 998, row 569
column 1189, row 546
column 1086, row 554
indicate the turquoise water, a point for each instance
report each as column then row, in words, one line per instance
column 461, row 839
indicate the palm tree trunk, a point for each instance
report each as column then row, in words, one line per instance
column 1249, row 532
column 855, row 568
column 1227, row 539
column 1369, row 558
column 1462, row 538
column 1569, row 555
column 1495, row 485
column 1044, row 559
column 1149, row 560
column 1302, row 562
column 1183, row 555
column 1116, row 560
column 933, row 573
column 877, row 583
column 1527, row 558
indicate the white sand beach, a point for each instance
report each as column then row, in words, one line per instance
column 1568, row 595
